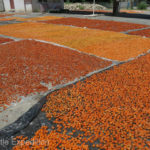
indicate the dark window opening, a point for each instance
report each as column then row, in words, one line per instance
column 42, row 1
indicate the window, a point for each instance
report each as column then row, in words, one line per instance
column 42, row 1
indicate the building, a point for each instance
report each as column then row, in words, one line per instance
column 32, row 5
column 1, row 5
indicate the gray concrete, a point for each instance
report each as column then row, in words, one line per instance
column 9, row 22
column 12, row 113
column 126, row 32
column 30, row 15
column 10, row 37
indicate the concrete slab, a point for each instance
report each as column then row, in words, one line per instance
column 10, row 37
column 9, row 22
column 11, row 114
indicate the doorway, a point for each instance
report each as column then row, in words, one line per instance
column 12, row 6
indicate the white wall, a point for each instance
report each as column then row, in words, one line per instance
column 7, row 5
column 28, row 7
column 19, row 5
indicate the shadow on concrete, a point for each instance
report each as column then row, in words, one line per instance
column 121, row 14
